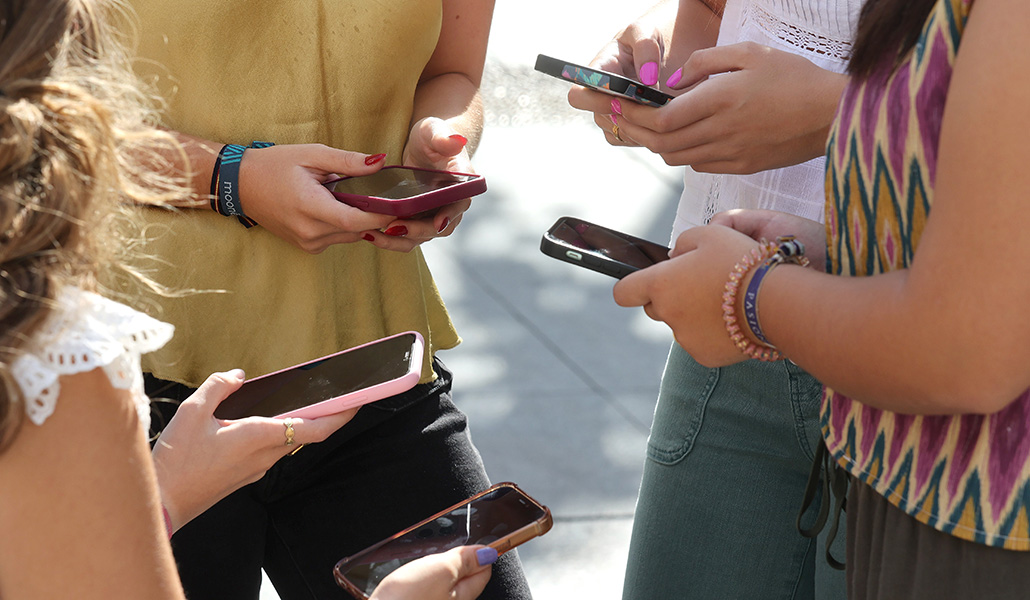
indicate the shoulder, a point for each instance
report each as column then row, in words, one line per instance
column 84, row 332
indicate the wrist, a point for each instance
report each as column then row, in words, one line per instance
column 741, row 296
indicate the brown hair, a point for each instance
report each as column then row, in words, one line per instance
column 76, row 132
column 887, row 29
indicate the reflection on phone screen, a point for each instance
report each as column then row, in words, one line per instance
column 321, row 380
column 397, row 183
column 611, row 244
column 487, row 519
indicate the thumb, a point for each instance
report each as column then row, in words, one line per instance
column 647, row 54
column 216, row 388
column 442, row 138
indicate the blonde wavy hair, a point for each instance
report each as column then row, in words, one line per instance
column 79, row 148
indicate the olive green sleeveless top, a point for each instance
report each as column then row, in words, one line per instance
column 342, row 73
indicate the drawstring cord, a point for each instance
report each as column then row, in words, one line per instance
column 834, row 482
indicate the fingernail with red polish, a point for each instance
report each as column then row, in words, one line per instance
column 371, row 160
column 675, row 78
column 444, row 225
column 464, row 140
column 368, row 237
column 616, row 106
column 397, row 231
column 649, row 73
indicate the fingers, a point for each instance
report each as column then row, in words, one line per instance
column 312, row 431
column 216, row 388
column 633, row 289
column 709, row 61
column 342, row 162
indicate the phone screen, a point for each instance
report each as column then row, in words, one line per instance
column 601, row 81
column 609, row 244
column 321, row 380
column 397, row 183
column 482, row 520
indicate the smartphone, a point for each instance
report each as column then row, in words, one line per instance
column 600, row 249
column 602, row 81
column 502, row 517
column 333, row 383
column 405, row 191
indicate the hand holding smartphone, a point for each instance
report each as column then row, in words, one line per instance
column 602, row 81
column 405, row 191
column 600, row 249
column 501, row 517
column 333, row 383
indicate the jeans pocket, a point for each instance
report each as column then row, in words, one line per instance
column 684, row 394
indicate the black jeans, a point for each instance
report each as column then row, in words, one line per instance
column 397, row 462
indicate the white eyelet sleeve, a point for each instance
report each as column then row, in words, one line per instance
column 85, row 331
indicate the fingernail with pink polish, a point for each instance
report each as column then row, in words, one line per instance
column 616, row 106
column 614, row 118
column 373, row 159
column 397, row 231
column 675, row 78
column 446, row 222
column 649, row 73
column 464, row 140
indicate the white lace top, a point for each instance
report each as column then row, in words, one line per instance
column 819, row 30
column 85, row 331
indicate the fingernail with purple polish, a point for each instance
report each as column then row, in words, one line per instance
column 675, row 78
column 486, row 556
column 649, row 73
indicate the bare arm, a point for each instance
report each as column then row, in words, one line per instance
column 80, row 515
column 447, row 120
column 947, row 335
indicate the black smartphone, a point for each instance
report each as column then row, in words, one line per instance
column 501, row 517
column 405, row 191
column 333, row 383
column 599, row 248
column 602, row 81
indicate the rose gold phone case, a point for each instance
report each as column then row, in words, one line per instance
column 527, row 532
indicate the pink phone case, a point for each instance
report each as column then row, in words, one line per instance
column 430, row 198
column 235, row 407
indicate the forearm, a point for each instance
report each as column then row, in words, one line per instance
column 894, row 341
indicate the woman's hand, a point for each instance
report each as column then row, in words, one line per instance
column 281, row 188
column 765, row 109
column 432, row 144
column 200, row 459
column 458, row 574
column 686, row 291
column 641, row 52
column 770, row 224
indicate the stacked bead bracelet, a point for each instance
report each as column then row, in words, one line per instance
column 225, row 181
column 762, row 259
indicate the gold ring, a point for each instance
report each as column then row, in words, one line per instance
column 615, row 131
column 289, row 431
column 297, row 449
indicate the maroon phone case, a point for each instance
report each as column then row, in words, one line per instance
column 415, row 204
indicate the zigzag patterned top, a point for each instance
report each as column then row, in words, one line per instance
column 967, row 475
